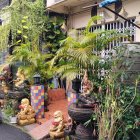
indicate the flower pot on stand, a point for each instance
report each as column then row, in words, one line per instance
column 13, row 120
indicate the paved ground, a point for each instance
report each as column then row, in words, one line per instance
column 39, row 132
column 57, row 105
column 8, row 132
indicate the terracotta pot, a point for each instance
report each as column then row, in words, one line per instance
column 13, row 120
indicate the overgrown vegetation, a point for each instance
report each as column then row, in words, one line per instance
column 80, row 53
column 34, row 37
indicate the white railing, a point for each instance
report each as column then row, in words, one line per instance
column 115, row 25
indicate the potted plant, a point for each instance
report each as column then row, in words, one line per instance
column 9, row 112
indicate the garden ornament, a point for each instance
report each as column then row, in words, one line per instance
column 57, row 128
column 20, row 78
column 5, row 87
column 27, row 114
column 85, row 99
column 70, row 127
column 5, row 78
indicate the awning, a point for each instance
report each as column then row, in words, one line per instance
column 107, row 2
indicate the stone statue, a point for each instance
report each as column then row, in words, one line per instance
column 6, row 78
column 70, row 126
column 20, row 78
column 27, row 114
column 57, row 128
column 85, row 99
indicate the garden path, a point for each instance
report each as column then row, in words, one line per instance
column 40, row 131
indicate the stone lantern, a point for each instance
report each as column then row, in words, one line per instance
column 37, row 79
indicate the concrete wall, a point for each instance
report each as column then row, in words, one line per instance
column 79, row 17
column 50, row 3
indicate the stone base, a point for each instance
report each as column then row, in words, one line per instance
column 56, row 135
column 26, row 122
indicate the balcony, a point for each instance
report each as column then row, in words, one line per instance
column 64, row 6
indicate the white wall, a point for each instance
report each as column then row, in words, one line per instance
column 78, row 20
column 81, row 18
column 50, row 3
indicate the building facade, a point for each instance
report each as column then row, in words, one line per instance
column 80, row 11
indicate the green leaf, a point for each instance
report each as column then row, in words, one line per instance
column 25, row 36
column 25, row 27
column 57, row 32
column 19, row 31
column 25, row 17
column 51, row 37
column 23, row 21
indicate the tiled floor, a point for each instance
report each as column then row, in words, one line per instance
column 57, row 105
column 41, row 129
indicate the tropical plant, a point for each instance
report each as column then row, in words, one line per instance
column 80, row 53
column 30, row 35
column 3, row 37
column 29, row 55
column 9, row 109
column 53, row 34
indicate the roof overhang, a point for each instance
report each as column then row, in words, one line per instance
column 64, row 6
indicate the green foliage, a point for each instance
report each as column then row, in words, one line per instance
column 128, row 122
column 53, row 34
column 29, row 55
column 3, row 37
column 79, row 53
column 9, row 108
column 32, row 32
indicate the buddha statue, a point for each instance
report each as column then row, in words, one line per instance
column 20, row 78
column 57, row 128
column 85, row 99
column 27, row 114
column 6, row 78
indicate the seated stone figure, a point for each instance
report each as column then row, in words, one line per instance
column 20, row 78
column 85, row 99
column 26, row 114
column 6, row 78
column 57, row 128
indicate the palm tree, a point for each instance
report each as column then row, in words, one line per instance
column 80, row 53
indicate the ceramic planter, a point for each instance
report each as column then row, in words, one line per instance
column 13, row 120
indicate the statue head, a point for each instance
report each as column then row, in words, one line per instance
column 24, row 103
column 58, row 116
column 86, row 84
column 20, row 73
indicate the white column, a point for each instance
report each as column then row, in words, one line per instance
column 137, row 29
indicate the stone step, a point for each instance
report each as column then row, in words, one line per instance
column 41, row 131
